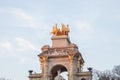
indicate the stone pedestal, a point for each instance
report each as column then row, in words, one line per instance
column 60, row 41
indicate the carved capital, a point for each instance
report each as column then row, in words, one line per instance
column 43, row 59
column 71, row 57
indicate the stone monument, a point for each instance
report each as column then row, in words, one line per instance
column 61, row 56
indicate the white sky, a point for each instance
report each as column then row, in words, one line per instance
column 25, row 27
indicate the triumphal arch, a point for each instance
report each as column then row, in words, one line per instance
column 62, row 56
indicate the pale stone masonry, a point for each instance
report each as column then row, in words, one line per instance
column 63, row 56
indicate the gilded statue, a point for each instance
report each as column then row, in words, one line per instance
column 58, row 32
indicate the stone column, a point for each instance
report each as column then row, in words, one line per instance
column 71, row 57
column 44, row 65
column 45, row 68
column 79, row 64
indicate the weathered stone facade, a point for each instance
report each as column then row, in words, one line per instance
column 64, row 56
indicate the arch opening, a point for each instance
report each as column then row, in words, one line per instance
column 83, row 79
column 63, row 72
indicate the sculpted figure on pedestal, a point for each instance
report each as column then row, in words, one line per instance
column 59, row 77
column 58, row 32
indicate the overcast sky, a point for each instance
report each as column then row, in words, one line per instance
column 25, row 27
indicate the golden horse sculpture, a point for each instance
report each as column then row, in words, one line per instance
column 57, row 32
